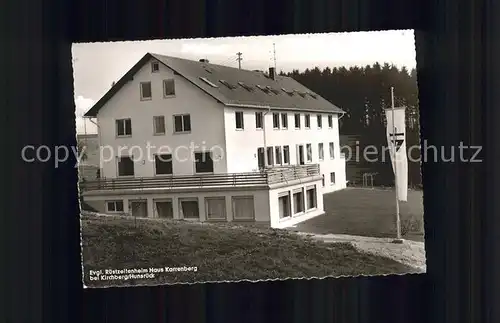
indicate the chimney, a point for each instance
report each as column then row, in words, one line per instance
column 272, row 73
column 204, row 60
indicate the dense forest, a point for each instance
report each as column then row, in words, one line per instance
column 363, row 93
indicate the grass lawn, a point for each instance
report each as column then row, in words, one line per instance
column 220, row 252
column 367, row 212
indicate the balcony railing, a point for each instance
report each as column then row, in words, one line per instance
column 281, row 174
column 265, row 177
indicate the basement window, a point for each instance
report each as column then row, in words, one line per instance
column 204, row 79
column 114, row 206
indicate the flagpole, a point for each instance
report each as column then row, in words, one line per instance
column 398, row 221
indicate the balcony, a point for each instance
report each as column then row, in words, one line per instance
column 264, row 178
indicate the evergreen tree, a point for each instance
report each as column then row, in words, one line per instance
column 364, row 94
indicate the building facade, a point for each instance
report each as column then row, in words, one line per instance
column 188, row 140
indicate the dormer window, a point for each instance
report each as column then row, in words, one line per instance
column 272, row 90
column 290, row 93
column 204, row 79
column 227, row 84
column 302, row 94
column 263, row 89
column 246, row 87
column 155, row 67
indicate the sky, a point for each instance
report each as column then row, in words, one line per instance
column 97, row 65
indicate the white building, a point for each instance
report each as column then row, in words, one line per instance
column 185, row 139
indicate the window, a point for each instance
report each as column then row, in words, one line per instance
column 114, row 206
column 312, row 95
column 319, row 117
column 321, row 153
column 297, row 120
column 145, row 91
column 215, row 208
column 284, row 205
column 123, row 127
column 276, row 120
column 258, row 120
column 311, row 197
column 155, row 67
column 332, row 178
column 138, row 208
column 163, row 164
column 307, row 120
column 188, row 208
column 332, row 151
column 286, row 155
column 246, row 87
column 243, row 208
column 298, row 201
column 228, row 85
column 239, row 120
column 323, row 180
column 278, row 155
column 270, row 154
column 330, row 121
column 260, row 157
column 204, row 79
column 272, row 90
column 284, row 120
column 164, row 209
column 159, row 125
column 263, row 89
column 300, row 155
column 302, row 94
column 125, row 166
column 309, row 152
column 290, row 93
column 168, row 88
column 182, row 123
column 204, row 162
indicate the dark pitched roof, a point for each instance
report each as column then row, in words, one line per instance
column 233, row 87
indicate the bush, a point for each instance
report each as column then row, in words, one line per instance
column 412, row 224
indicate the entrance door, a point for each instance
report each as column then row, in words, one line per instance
column 300, row 155
column 139, row 208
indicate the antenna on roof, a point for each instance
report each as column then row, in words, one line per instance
column 274, row 55
column 239, row 59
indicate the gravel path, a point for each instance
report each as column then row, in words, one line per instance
column 409, row 252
